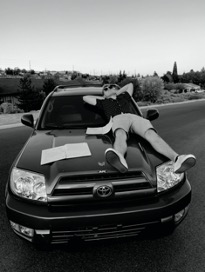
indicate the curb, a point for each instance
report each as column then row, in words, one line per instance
column 141, row 107
column 172, row 104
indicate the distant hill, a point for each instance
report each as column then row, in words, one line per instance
column 11, row 85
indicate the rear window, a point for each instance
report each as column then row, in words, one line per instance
column 63, row 112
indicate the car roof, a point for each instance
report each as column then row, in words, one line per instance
column 64, row 90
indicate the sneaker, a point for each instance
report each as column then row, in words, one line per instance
column 183, row 163
column 115, row 159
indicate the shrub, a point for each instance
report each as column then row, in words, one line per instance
column 174, row 87
column 177, row 99
column 180, row 87
column 16, row 110
column 195, row 96
column 152, row 88
column 169, row 86
column 7, row 107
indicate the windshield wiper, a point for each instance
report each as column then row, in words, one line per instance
column 62, row 127
column 52, row 127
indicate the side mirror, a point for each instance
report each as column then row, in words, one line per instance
column 152, row 114
column 27, row 120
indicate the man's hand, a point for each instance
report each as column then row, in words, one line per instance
column 127, row 88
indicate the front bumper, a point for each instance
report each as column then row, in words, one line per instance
column 60, row 227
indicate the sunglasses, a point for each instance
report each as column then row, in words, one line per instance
column 110, row 86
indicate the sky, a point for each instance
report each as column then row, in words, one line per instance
column 103, row 36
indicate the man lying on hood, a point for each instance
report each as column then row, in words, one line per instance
column 115, row 103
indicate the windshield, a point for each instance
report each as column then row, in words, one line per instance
column 63, row 112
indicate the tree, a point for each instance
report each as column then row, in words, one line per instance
column 155, row 74
column 105, row 80
column 74, row 75
column 197, row 78
column 175, row 73
column 167, row 77
column 32, row 72
column 113, row 79
column 85, row 76
column 9, row 71
column 124, row 75
column 16, row 71
column 29, row 98
column 25, row 84
column 48, row 85
column 121, row 76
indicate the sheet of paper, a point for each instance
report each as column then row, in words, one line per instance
column 77, row 150
column 100, row 130
column 53, row 154
column 65, row 152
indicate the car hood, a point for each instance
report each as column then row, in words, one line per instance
column 140, row 155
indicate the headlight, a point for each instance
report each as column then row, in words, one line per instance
column 166, row 178
column 28, row 185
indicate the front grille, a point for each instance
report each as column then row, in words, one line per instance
column 78, row 188
column 99, row 233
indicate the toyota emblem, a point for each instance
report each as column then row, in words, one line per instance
column 104, row 191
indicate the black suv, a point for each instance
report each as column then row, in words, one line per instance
column 85, row 197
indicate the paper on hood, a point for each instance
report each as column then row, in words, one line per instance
column 100, row 130
column 65, row 152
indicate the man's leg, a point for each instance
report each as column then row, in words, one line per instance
column 115, row 157
column 120, row 143
column 160, row 145
column 181, row 162
column 144, row 128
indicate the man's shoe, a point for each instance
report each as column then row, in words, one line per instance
column 183, row 163
column 115, row 159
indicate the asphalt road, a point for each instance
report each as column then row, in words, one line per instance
column 183, row 127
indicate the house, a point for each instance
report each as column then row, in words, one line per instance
column 9, row 90
column 9, row 96
column 2, row 74
column 190, row 87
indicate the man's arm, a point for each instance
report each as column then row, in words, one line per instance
column 127, row 88
column 91, row 99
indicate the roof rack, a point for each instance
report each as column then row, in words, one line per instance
column 60, row 87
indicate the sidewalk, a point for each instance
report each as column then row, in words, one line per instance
column 14, row 120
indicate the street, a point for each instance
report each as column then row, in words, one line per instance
column 183, row 127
